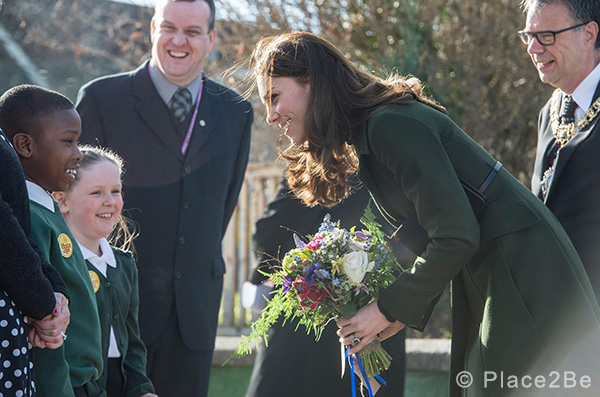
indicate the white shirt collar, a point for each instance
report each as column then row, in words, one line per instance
column 584, row 93
column 39, row 195
column 108, row 255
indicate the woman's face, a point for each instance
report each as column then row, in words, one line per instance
column 286, row 100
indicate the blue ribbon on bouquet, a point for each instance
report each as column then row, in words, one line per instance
column 363, row 372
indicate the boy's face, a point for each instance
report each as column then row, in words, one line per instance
column 55, row 156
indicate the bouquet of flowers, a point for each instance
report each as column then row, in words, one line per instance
column 334, row 274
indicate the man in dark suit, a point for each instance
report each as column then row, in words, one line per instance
column 563, row 42
column 185, row 156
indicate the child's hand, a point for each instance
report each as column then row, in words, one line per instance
column 33, row 336
column 51, row 330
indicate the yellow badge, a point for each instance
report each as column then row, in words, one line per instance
column 95, row 280
column 66, row 246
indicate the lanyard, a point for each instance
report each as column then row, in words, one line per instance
column 188, row 135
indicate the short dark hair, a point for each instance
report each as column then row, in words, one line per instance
column 211, row 4
column 582, row 11
column 22, row 108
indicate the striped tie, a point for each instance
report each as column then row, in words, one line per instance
column 181, row 103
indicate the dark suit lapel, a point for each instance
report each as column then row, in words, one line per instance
column 209, row 114
column 151, row 108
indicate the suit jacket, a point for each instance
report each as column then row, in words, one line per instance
column 574, row 195
column 515, row 274
column 311, row 359
column 182, row 204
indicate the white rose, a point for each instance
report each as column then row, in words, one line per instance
column 356, row 264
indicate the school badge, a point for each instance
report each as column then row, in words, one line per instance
column 95, row 280
column 66, row 246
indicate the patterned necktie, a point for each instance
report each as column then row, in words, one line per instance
column 181, row 103
column 568, row 110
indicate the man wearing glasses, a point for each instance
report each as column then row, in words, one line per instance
column 564, row 45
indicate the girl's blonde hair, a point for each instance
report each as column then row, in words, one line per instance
column 124, row 231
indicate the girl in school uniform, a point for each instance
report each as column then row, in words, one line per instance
column 92, row 207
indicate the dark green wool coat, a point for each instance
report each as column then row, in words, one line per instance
column 521, row 301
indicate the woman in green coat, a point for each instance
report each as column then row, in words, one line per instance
column 525, row 318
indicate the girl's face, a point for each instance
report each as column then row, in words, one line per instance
column 93, row 205
column 286, row 100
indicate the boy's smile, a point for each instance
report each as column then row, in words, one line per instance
column 54, row 153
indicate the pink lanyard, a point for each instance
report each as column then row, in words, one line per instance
column 188, row 135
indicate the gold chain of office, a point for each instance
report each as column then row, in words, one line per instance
column 564, row 132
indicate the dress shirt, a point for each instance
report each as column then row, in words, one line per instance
column 166, row 89
column 584, row 93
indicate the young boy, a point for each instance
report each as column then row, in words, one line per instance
column 44, row 128
column 29, row 285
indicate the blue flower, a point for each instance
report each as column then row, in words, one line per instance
column 322, row 273
column 327, row 225
column 335, row 282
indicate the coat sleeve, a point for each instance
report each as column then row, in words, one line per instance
column 21, row 275
column 415, row 157
column 49, row 271
column 136, row 381
column 91, row 119
column 239, row 170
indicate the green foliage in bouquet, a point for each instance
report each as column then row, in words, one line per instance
column 333, row 275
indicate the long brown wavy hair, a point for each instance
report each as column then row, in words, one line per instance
column 342, row 98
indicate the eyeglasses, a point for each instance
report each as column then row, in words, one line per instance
column 545, row 37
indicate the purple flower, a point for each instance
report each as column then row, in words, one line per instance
column 310, row 274
column 361, row 287
column 299, row 243
column 361, row 235
column 287, row 283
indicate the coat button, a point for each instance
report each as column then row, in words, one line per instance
column 116, row 316
column 107, row 284
column 187, row 169
column 186, row 205
column 177, row 274
column 181, row 240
